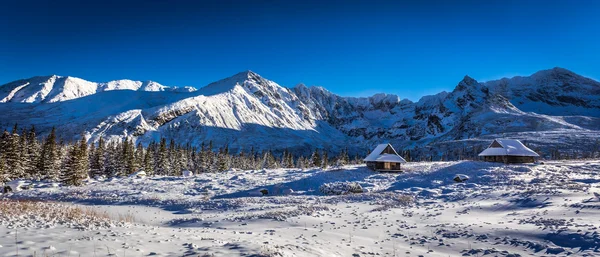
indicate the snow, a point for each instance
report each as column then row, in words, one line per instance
column 16, row 185
column 138, row 174
column 510, row 147
column 377, row 156
column 502, row 210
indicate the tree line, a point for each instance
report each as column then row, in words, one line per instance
column 24, row 156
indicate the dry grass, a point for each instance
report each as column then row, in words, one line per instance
column 129, row 217
column 24, row 207
column 27, row 213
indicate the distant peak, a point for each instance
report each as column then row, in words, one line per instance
column 54, row 76
column 247, row 74
column 555, row 70
column 468, row 81
column 560, row 69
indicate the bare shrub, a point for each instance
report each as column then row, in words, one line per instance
column 394, row 200
column 340, row 188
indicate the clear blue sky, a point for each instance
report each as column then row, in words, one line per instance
column 353, row 48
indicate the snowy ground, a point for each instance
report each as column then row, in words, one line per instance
column 513, row 210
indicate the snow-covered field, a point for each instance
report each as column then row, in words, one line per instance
column 550, row 209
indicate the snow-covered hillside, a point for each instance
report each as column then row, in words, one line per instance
column 248, row 110
column 501, row 210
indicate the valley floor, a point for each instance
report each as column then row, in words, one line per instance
column 549, row 209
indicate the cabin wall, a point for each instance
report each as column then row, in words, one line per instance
column 521, row 159
column 509, row 159
column 384, row 165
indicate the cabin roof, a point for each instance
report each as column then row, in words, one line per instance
column 510, row 147
column 377, row 156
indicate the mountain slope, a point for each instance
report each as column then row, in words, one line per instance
column 247, row 110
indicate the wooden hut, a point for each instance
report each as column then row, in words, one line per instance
column 384, row 158
column 508, row 151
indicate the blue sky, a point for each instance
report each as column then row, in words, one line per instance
column 353, row 48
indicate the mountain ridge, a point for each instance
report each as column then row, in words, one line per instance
column 247, row 109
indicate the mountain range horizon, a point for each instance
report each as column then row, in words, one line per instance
column 554, row 107
column 194, row 88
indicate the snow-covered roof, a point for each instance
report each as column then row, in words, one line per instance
column 377, row 155
column 510, row 147
column 386, row 157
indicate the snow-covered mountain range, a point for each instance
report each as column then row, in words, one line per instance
column 247, row 110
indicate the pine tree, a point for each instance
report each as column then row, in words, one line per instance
column 69, row 173
column 203, row 159
column 139, row 157
column 119, row 160
column 300, row 163
column 162, row 163
column 149, row 160
column 252, row 159
column 33, row 154
column 13, row 155
column 221, row 161
column 290, row 160
column 3, row 170
column 97, row 163
column 48, row 162
column 111, row 166
column 325, row 161
column 346, row 156
column 283, row 162
column 316, row 159
column 128, row 158
column 172, row 158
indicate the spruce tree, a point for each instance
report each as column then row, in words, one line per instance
column 49, row 160
column 203, row 159
column 97, row 162
column 130, row 157
column 325, row 161
column 139, row 157
column 33, row 155
column 149, row 159
column 118, row 160
column 316, row 159
column 69, row 168
column 83, row 164
column 24, row 155
column 111, row 167
column 346, row 156
column 221, row 162
column 12, row 155
column 3, row 170
column 162, row 163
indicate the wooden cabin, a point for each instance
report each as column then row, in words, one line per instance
column 384, row 158
column 508, row 151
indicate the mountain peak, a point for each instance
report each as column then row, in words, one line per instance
column 468, row 80
column 247, row 74
column 553, row 72
column 229, row 83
